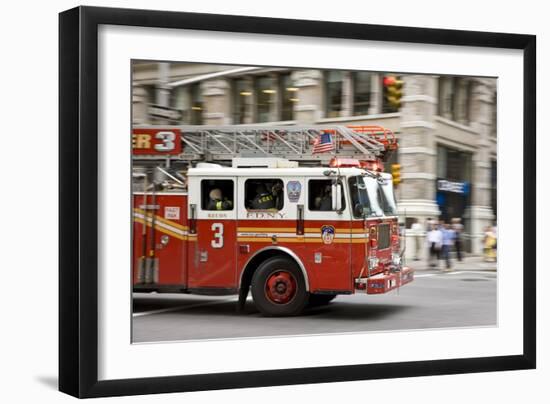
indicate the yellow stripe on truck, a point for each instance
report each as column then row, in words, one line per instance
column 162, row 229
column 161, row 219
column 266, row 229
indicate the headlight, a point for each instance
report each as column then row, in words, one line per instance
column 396, row 259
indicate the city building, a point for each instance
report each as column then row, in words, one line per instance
column 446, row 125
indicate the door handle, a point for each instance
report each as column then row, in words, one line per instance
column 193, row 219
column 300, row 220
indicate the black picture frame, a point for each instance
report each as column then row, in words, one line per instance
column 78, row 195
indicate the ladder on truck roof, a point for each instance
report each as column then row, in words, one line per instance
column 223, row 143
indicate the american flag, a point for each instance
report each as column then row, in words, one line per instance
column 323, row 143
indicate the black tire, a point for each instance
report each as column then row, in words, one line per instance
column 278, row 288
column 320, row 300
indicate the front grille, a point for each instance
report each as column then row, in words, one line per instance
column 383, row 236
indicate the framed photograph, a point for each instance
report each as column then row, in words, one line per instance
column 253, row 202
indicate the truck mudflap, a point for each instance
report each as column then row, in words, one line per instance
column 385, row 282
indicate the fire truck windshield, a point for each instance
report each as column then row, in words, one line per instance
column 372, row 197
column 386, row 197
column 363, row 202
column 373, row 189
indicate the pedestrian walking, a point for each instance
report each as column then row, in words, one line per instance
column 489, row 245
column 434, row 239
column 495, row 233
column 458, row 228
column 448, row 240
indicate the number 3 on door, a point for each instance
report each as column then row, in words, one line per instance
column 218, row 235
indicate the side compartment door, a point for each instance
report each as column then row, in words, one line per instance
column 329, row 235
column 212, row 232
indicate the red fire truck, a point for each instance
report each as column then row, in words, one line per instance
column 294, row 215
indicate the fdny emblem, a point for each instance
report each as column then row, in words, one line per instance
column 327, row 234
column 293, row 189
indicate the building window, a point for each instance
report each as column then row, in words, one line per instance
column 455, row 94
column 242, row 94
column 361, row 92
column 468, row 102
column 269, row 98
column 333, row 93
column 264, row 194
column 493, row 115
column 217, row 194
column 266, row 97
column 453, row 183
column 441, row 170
column 446, row 97
column 188, row 100
column 289, row 97
column 181, row 99
column 454, row 165
column 151, row 93
column 458, row 165
column 494, row 187
column 196, row 104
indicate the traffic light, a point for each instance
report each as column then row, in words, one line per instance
column 396, row 173
column 392, row 92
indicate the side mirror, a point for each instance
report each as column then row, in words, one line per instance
column 337, row 197
column 358, row 210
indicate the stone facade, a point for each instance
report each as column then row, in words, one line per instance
column 310, row 87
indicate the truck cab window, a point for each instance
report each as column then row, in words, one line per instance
column 360, row 201
column 217, row 194
column 320, row 195
column 386, row 198
column 264, row 194
column 373, row 190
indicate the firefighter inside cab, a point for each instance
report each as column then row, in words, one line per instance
column 217, row 201
column 263, row 199
column 324, row 200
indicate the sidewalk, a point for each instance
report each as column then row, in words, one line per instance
column 469, row 263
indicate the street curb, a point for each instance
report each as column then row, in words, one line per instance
column 454, row 270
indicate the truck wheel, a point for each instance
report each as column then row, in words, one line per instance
column 320, row 300
column 278, row 288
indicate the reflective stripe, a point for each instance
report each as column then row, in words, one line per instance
column 160, row 219
column 161, row 229
column 266, row 229
column 339, row 235
column 226, row 204
column 298, row 239
column 164, row 226
column 263, row 201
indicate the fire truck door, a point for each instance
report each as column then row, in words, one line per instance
column 328, row 235
column 212, row 233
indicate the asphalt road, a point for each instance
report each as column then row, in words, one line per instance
column 462, row 298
